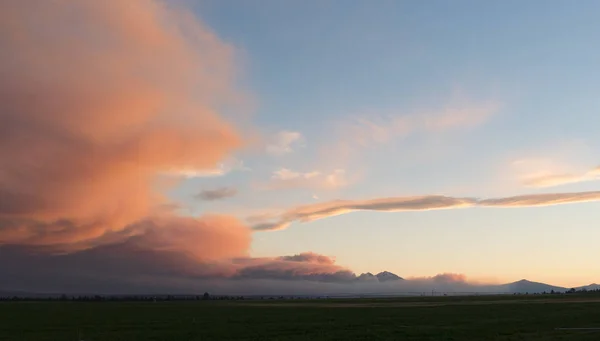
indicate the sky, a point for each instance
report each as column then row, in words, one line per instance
column 306, row 141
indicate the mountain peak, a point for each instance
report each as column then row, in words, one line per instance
column 524, row 286
column 387, row 276
column 366, row 277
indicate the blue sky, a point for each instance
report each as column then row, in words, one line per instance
column 358, row 100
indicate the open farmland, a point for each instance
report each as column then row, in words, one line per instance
column 417, row 318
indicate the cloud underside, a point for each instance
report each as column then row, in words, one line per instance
column 313, row 212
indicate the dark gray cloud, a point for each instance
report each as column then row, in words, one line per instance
column 138, row 265
column 217, row 194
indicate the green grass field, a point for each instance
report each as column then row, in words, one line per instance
column 431, row 318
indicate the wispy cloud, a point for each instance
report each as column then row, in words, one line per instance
column 220, row 170
column 546, row 199
column 313, row 212
column 377, row 128
column 284, row 142
column 217, row 194
column 557, row 163
column 551, row 180
column 285, row 178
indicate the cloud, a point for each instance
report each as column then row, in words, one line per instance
column 217, row 194
column 188, row 258
column 187, row 255
column 221, row 169
column 285, row 178
column 561, row 163
column 304, row 266
column 285, row 174
column 284, row 142
column 127, row 268
column 551, row 180
column 450, row 277
column 99, row 101
column 317, row 211
column 369, row 129
column 546, row 199
column 211, row 237
column 310, row 257
column 328, row 209
column 99, row 98
column 155, row 247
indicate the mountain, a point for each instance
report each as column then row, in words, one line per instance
column 387, row 276
column 525, row 286
column 592, row 286
column 366, row 277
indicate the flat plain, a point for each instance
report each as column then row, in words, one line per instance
column 521, row 317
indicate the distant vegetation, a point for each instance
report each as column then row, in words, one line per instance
column 207, row 296
column 496, row 317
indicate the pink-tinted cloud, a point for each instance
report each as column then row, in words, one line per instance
column 310, row 257
column 97, row 98
column 447, row 277
column 551, row 180
column 561, row 163
column 208, row 238
column 450, row 277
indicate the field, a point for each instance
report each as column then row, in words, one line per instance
column 419, row 318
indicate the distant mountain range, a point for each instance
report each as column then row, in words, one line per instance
column 523, row 286
column 384, row 276
column 592, row 286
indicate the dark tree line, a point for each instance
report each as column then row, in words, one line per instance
column 122, row 298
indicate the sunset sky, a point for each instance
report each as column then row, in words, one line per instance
column 417, row 137
column 468, row 98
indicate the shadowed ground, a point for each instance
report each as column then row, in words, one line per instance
column 417, row 318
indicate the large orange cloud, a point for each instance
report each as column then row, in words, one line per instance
column 96, row 99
